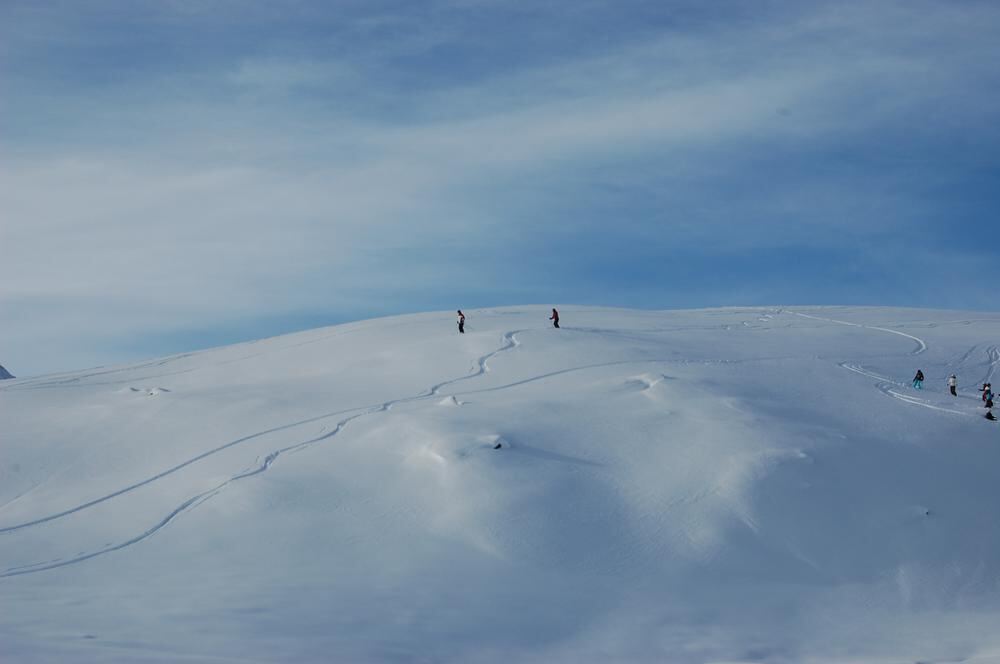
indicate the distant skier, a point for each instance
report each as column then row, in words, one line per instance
column 554, row 318
column 987, row 388
column 989, row 408
column 461, row 322
column 952, row 384
column 918, row 380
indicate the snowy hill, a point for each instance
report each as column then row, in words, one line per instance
column 740, row 485
column 4, row 374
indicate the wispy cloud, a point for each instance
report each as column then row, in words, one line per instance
column 364, row 158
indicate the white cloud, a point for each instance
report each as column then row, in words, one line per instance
column 318, row 184
column 278, row 76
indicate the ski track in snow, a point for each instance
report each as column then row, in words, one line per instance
column 165, row 473
column 509, row 342
column 886, row 385
column 993, row 353
column 921, row 345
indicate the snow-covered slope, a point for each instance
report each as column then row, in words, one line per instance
column 755, row 485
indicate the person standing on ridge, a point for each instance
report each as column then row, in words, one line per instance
column 554, row 318
column 461, row 322
column 952, row 384
column 918, row 380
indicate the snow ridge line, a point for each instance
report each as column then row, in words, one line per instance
column 510, row 342
column 64, row 379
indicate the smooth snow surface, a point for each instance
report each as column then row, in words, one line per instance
column 738, row 485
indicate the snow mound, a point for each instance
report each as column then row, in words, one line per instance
column 738, row 484
column 148, row 391
column 493, row 442
column 4, row 374
column 644, row 382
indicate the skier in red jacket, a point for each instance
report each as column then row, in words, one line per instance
column 554, row 317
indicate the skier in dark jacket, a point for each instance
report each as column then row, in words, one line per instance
column 554, row 317
column 461, row 322
column 918, row 380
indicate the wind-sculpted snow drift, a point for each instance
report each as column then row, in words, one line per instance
column 742, row 485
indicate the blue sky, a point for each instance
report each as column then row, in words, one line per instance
column 179, row 174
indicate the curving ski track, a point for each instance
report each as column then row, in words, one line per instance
column 885, row 384
column 509, row 342
column 921, row 345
